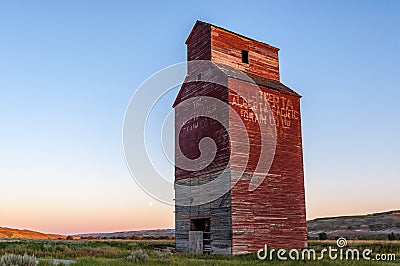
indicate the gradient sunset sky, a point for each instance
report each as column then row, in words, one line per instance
column 69, row 68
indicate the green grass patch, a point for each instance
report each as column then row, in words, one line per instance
column 116, row 252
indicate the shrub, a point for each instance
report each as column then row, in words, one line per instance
column 323, row 236
column 17, row 260
column 163, row 254
column 137, row 256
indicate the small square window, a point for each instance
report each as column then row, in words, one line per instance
column 245, row 56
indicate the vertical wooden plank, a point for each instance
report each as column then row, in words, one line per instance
column 196, row 242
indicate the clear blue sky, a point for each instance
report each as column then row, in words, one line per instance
column 69, row 68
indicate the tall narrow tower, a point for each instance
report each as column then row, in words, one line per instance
column 265, row 204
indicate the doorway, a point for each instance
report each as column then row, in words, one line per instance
column 204, row 241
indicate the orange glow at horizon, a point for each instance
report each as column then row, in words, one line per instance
column 68, row 222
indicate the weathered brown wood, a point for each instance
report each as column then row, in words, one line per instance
column 226, row 48
column 243, row 221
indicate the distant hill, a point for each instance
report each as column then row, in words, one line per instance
column 26, row 234
column 370, row 226
column 158, row 233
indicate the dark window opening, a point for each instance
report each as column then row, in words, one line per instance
column 199, row 76
column 245, row 56
column 200, row 225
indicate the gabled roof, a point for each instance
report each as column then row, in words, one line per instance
column 273, row 84
column 258, row 80
column 199, row 22
column 232, row 73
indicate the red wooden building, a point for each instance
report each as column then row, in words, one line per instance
column 239, row 220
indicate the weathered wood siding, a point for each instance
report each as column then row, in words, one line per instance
column 274, row 213
column 218, row 210
column 199, row 43
column 226, row 48
column 196, row 242
column 242, row 221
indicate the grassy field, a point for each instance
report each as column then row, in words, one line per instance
column 110, row 252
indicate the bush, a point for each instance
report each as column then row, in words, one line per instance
column 17, row 260
column 164, row 254
column 137, row 256
column 323, row 236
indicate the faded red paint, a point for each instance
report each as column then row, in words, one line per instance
column 274, row 213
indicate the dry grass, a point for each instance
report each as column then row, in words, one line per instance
column 116, row 252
